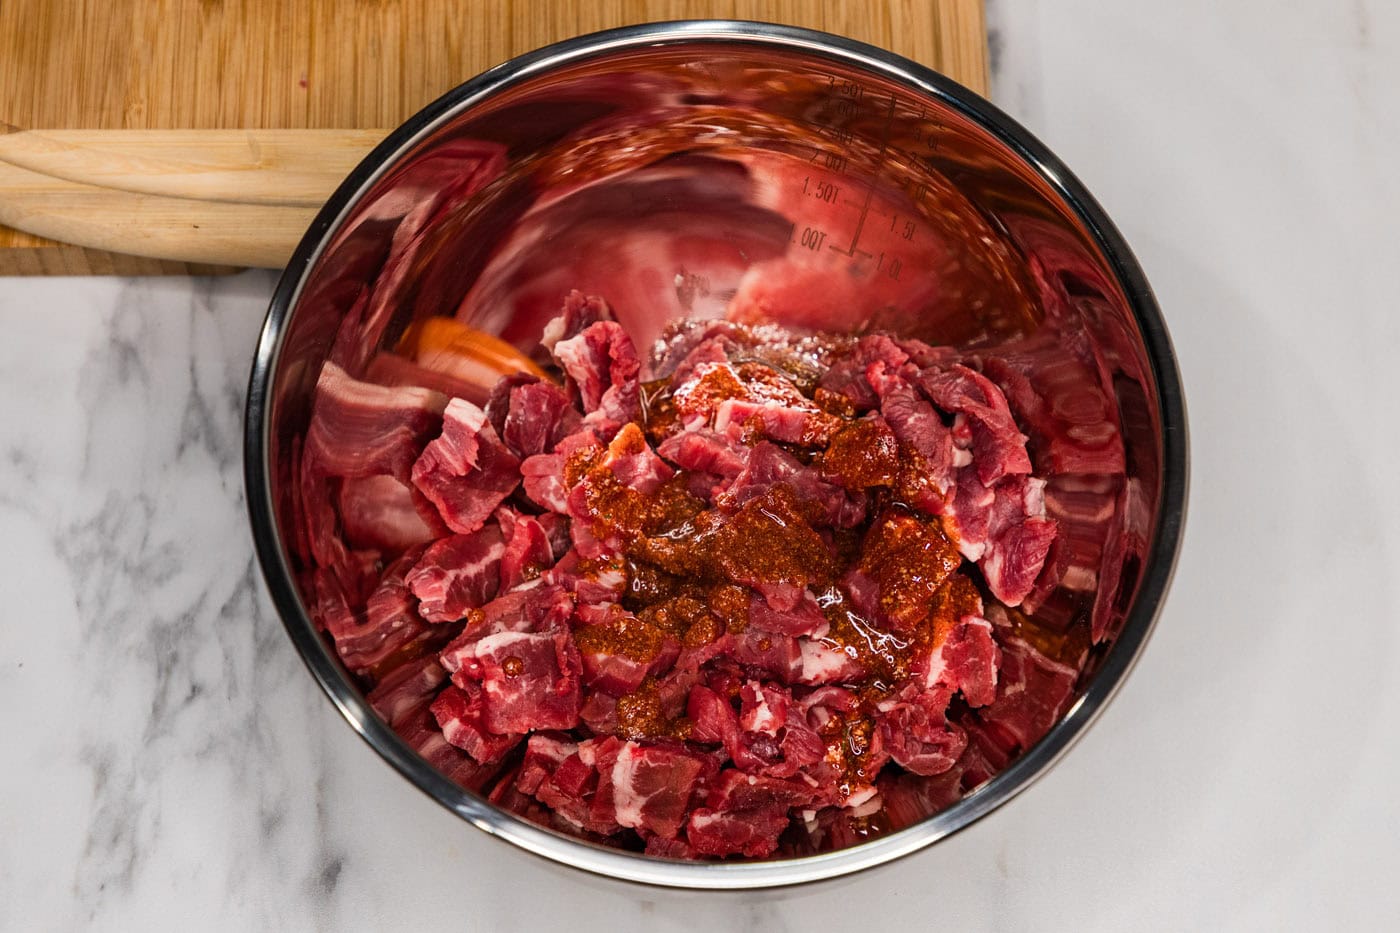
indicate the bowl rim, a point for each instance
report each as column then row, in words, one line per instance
column 1158, row 565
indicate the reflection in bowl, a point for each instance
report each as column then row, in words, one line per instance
column 745, row 176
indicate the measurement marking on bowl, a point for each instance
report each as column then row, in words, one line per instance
column 870, row 189
column 830, row 183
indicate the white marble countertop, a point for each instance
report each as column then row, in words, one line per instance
column 169, row 765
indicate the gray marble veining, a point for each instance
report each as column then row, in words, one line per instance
column 149, row 648
column 169, row 765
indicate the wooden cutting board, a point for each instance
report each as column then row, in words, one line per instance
column 346, row 64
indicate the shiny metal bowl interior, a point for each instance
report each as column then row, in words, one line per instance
column 643, row 92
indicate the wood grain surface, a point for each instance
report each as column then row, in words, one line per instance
column 344, row 64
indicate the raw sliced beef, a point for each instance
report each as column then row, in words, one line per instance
column 1034, row 690
column 602, row 369
column 925, row 442
column 997, row 445
column 370, row 641
column 361, row 429
column 531, row 416
column 651, row 786
column 543, row 475
column 529, row 681
column 721, row 833
column 460, row 712
column 382, row 513
column 757, row 604
column 527, row 552
column 751, row 399
column 467, row 471
column 541, row 609
column 919, row 737
column 458, row 573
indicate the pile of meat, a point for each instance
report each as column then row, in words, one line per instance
column 756, row 593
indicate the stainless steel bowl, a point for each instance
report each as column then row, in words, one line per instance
column 913, row 180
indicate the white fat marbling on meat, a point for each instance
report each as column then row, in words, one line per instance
column 937, row 667
column 553, row 333
column 863, row 800
column 1080, row 579
column 700, row 820
column 611, row 578
column 459, row 409
column 498, row 641
column 525, row 585
column 1035, row 497
column 626, row 800
column 820, row 662
column 760, row 717
column 763, row 718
